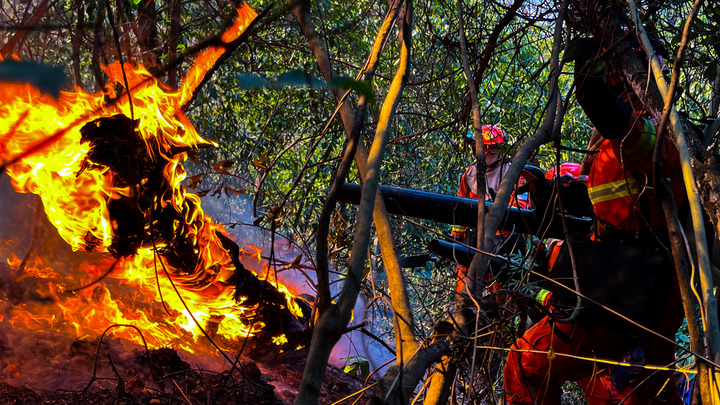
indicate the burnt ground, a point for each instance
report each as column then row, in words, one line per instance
column 174, row 381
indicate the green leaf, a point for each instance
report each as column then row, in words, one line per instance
column 357, row 364
column 47, row 78
column 251, row 81
column 361, row 87
column 298, row 78
column 350, row 368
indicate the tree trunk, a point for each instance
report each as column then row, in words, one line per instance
column 175, row 20
column 715, row 96
column 397, row 385
column 333, row 320
column 97, row 49
column 76, row 40
column 146, row 32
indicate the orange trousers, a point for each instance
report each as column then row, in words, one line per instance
column 534, row 376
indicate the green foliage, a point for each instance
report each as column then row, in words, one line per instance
column 298, row 78
column 572, row 394
column 357, row 366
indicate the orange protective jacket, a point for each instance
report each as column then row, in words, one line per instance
column 621, row 178
column 465, row 191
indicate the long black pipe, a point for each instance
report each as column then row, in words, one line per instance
column 461, row 255
column 463, row 211
column 452, row 251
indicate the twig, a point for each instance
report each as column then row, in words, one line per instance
column 340, row 401
column 377, row 339
column 181, row 392
column 120, row 382
column 7, row 49
column 94, row 377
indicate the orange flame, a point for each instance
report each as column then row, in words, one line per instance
column 76, row 201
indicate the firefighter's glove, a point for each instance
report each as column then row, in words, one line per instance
column 585, row 53
column 543, row 296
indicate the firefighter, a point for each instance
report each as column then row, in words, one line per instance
column 627, row 220
column 495, row 140
column 573, row 190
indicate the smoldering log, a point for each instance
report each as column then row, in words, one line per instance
column 144, row 216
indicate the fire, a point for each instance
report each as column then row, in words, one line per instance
column 279, row 340
column 76, row 191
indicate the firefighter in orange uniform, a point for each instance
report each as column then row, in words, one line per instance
column 494, row 139
column 627, row 218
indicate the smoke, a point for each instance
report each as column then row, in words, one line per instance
column 357, row 346
column 37, row 349
column 288, row 253
column 237, row 210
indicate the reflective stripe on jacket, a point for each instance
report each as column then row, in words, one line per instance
column 614, row 189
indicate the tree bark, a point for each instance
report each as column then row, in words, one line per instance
column 122, row 36
column 97, row 49
column 477, row 129
column 403, row 317
column 76, row 40
column 715, row 95
column 397, row 385
column 173, row 36
column 146, row 32
column 686, row 289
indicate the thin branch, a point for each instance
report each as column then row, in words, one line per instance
column 480, row 163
